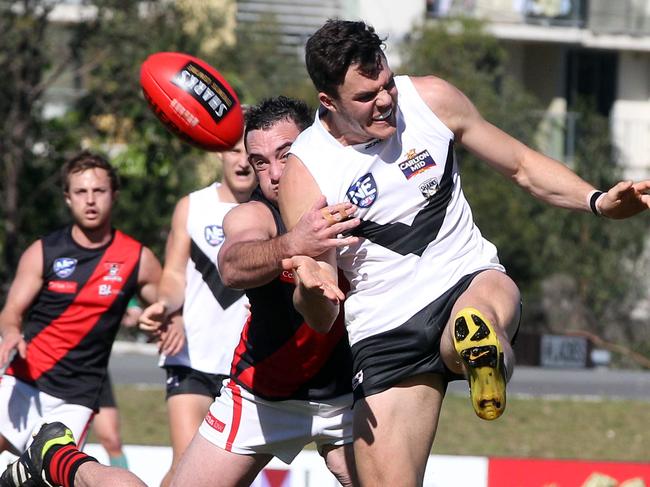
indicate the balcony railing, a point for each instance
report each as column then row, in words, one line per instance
column 627, row 17
column 546, row 12
column 631, row 17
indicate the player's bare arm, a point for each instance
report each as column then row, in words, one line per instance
column 23, row 290
column 148, row 276
column 298, row 192
column 171, row 288
column 250, row 255
column 545, row 178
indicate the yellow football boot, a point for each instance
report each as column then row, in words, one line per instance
column 478, row 346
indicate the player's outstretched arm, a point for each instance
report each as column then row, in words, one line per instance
column 624, row 200
column 545, row 178
column 23, row 291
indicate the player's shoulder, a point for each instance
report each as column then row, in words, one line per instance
column 252, row 210
column 444, row 99
column 34, row 250
column 435, row 90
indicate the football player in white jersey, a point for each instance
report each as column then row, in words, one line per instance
column 429, row 299
column 211, row 324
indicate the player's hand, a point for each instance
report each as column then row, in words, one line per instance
column 12, row 342
column 313, row 277
column 319, row 229
column 153, row 317
column 626, row 199
column 172, row 336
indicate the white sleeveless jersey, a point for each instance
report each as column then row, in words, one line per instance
column 214, row 315
column 418, row 234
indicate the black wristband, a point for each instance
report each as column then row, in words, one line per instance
column 592, row 202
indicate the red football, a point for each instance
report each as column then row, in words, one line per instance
column 193, row 100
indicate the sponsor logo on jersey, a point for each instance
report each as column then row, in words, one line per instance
column 214, row 422
column 429, row 188
column 213, row 234
column 64, row 287
column 416, row 163
column 287, row 276
column 204, row 88
column 64, row 266
column 363, row 192
column 105, row 290
column 357, row 379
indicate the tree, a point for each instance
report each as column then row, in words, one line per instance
column 536, row 241
column 99, row 55
column 100, row 52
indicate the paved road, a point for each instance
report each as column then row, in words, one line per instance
column 131, row 365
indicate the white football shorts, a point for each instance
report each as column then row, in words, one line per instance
column 243, row 423
column 23, row 409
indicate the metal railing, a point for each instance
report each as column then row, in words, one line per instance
column 627, row 17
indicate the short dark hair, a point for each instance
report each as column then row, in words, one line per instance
column 272, row 110
column 87, row 160
column 338, row 44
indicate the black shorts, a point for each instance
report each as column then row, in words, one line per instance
column 184, row 380
column 106, row 396
column 386, row 359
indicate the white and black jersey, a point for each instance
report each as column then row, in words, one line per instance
column 418, row 234
column 214, row 315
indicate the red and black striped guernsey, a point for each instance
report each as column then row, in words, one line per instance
column 279, row 356
column 71, row 326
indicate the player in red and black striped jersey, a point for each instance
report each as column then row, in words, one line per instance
column 290, row 385
column 64, row 308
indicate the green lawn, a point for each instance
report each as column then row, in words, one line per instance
column 591, row 430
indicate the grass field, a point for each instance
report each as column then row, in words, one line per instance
column 542, row 428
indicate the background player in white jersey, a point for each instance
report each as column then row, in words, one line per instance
column 429, row 298
column 213, row 315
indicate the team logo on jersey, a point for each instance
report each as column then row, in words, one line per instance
column 429, row 188
column 213, row 234
column 112, row 272
column 64, row 266
column 363, row 192
column 357, row 380
column 416, row 163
